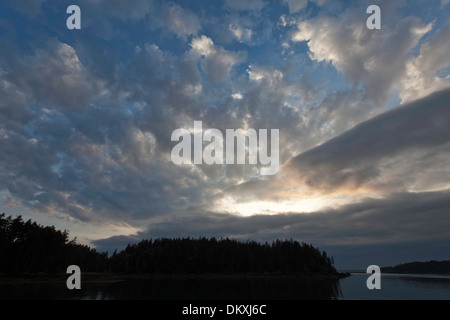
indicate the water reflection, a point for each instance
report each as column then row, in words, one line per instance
column 397, row 287
column 179, row 288
column 427, row 280
column 393, row 287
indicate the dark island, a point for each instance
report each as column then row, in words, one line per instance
column 427, row 267
column 34, row 261
column 29, row 248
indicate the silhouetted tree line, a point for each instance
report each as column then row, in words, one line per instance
column 220, row 256
column 430, row 267
column 26, row 247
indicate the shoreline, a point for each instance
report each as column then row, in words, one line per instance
column 89, row 277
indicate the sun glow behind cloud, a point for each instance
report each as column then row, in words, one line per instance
column 289, row 205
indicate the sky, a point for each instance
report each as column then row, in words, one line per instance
column 86, row 118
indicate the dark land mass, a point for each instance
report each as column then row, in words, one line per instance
column 428, row 267
column 30, row 252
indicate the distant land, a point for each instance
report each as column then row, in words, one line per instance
column 427, row 267
column 28, row 248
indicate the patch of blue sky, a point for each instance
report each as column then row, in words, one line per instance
column 13, row 27
column 393, row 102
column 443, row 73
column 427, row 11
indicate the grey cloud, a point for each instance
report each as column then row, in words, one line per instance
column 13, row 105
column 241, row 27
column 54, row 75
column 296, row 5
column 339, row 111
column 96, row 162
column 353, row 156
column 181, row 21
column 403, row 149
column 407, row 218
column 219, row 66
column 216, row 62
column 363, row 55
column 252, row 5
column 171, row 18
column 166, row 16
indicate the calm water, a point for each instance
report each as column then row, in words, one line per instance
column 397, row 287
column 352, row 288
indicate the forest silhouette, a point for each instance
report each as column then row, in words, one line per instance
column 29, row 248
column 423, row 267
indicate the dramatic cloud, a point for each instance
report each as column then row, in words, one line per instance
column 354, row 157
column 405, row 149
column 405, row 218
column 86, row 119
column 422, row 73
column 361, row 54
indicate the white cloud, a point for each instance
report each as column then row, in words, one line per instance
column 421, row 76
column 258, row 73
column 217, row 62
column 181, row 21
column 374, row 59
column 237, row 96
column 203, row 46
column 287, row 21
column 296, row 5
column 240, row 33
